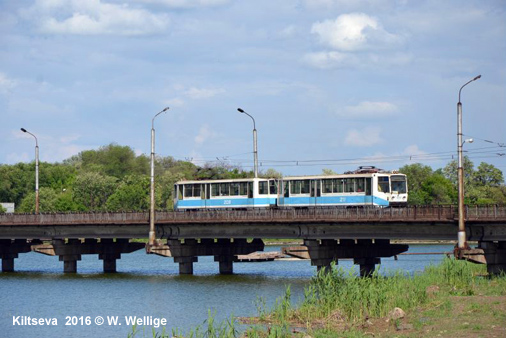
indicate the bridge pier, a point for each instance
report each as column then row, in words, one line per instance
column 364, row 252
column 108, row 250
column 224, row 251
column 9, row 250
column 495, row 256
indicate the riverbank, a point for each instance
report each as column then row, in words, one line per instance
column 452, row 299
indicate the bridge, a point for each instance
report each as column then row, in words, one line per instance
column 329, row 234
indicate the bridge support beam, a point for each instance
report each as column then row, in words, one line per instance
column 364, row 252
column 224, row 251
column 70, row 252
column 493, row 254
column 9, row 250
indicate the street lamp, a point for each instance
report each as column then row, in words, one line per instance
column 152, row 235
column 36, row 170
column 255, row 149
column 462, row 243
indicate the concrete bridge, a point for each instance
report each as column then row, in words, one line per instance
column 330, row 234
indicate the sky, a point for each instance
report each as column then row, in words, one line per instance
column 331, row 84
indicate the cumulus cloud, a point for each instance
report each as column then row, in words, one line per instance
column 205, row 133
column 202, row 93
column 189, row 3
column 333, row 59
column 366, row 137
column 369, row 109
column 6, row 84
column 353, row 32
column 93, row 17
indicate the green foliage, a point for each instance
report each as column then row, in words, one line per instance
column 131, row 195
column 92, row 190
column 2, row 210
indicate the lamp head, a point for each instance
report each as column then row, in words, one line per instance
column 476, row 78
column 23, row 130
column 240, row 110
column 165, row 109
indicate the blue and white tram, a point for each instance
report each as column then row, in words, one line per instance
column 369, row 188
column 364, row 189
column 236, row 193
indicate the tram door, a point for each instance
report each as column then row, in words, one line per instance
column 315, row 192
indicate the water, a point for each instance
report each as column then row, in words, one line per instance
column 151, row 286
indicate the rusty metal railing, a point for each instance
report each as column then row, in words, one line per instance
column 407, row 214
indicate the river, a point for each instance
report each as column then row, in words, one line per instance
column 151, row 286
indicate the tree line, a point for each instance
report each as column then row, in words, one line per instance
column 113, row 178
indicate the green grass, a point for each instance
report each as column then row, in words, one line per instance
column 339, row 302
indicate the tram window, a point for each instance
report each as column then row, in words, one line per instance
column 225, row 189
column 180, row 194
column 360, row 184
column 188, row 190
column 349, row 185
column 305, row 187
column 243, row 188
column 250, row 189
column 399, row 184
column 234, row 189
column 262, row 188
column 383, row 184
column 368, row 186
column 214, row 189
column 196, row 190
column 327, row 186
column 337, row 185
column 272, row 187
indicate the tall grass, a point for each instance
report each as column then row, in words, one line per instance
column 342, row 294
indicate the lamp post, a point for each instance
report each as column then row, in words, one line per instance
column 36, row 170
column 152, row 234
column 462, row 243
column 255, row 149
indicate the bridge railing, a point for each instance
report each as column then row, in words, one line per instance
column 412, row 213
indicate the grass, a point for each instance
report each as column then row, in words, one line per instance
column 448, row 300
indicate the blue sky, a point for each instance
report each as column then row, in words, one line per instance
column 331, row 83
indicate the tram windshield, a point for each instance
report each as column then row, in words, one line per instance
column 398, row 184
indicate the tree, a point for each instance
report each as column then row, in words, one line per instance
column 328, row 172
column 488, row 175
column 47, row 201
column 131, row 195
column 271, row 173
column 438, row 190
column 451, row 171
column 92, row 190
column 112, row 160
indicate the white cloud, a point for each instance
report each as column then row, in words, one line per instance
column 369, row 109
column 6, row 84
column 174, row 102
column 353, row 32
column 93, row 17
column 204, row 134
column 202, row 93
column 188, row 3
column 366, row 137
column 327, row 60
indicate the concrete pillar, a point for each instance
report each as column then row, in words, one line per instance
column 69, row 265
column 185, row 264
column 321, row 253
column 367, row 265
column 7, row 264
column 109, row 264
column 495, row 256
column 226, row 264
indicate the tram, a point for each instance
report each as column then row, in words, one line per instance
column 367, row 186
